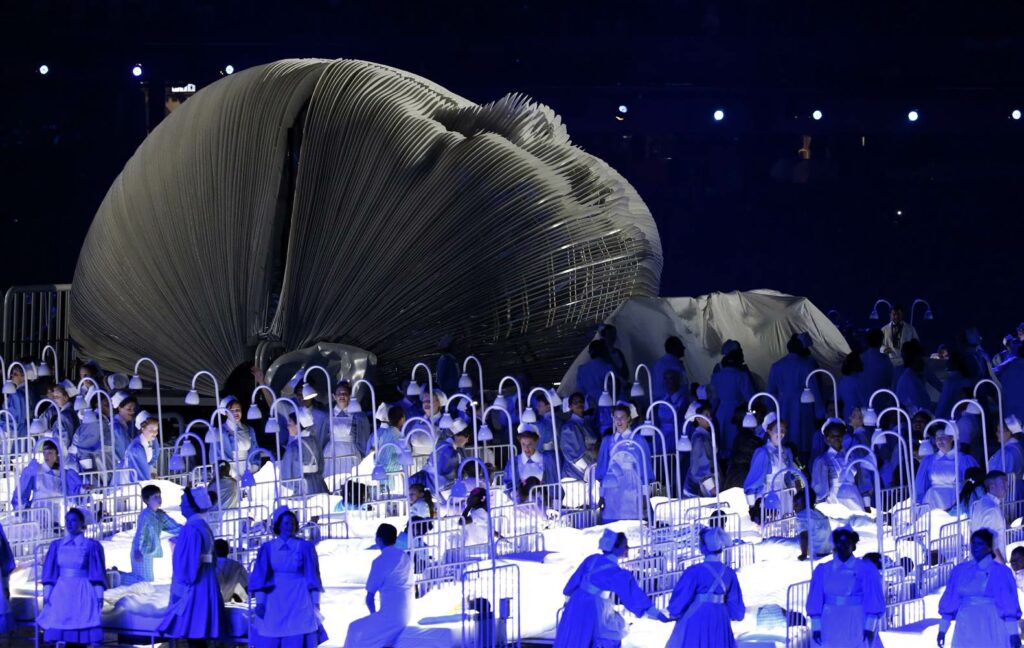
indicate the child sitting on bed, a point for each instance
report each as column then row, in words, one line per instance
column 146, row 544
column 232, row 578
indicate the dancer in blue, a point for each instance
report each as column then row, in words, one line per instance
column 731, row 386
column 700, row 477
column 141, row 455
column 706, row 599
column 590, row 375
column 625, row 474
column 768, row 461
column 74, row 577
column 529, row 463
column 153, row 522
column 846, row 600
column 671, row 361
column 786, row 381
column 286, row 585
column 305, row 463
column 981, row 596
column 196, row 606
column 590, row 619
column 936, row 478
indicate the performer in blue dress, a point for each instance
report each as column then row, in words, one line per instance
column 590, row 618
column 707, row 598
column 286, row 584
column 846, row 598
column 196, row 606
column 74, row 577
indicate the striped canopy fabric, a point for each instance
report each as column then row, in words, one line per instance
column 349, row 202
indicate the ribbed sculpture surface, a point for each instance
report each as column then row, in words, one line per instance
column 346, row 201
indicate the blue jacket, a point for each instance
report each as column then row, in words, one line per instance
column 661, row 365
column 123, row 435
column 642, row 457
column 786, row 381
column 447, row 373
column 756, row 482
column 448, row 458
column 229, row 443
column 590, row 379
column 35, row 471
column 731, row 388
column 16, row 405
column 1011, row 375
column 135, row 461
column 550, row 474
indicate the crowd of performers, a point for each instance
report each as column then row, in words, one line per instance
column 964, row 454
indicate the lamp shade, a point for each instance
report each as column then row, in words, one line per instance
column 647, row 431
column 870, row 417
column 465, row 382
column 272, row 426
column 248, row 479
column 928, row 315
column 254, row 413
column 37, row 426
column 44, row 369
column 135, row 383
column 176, row 464
column 445, row 423
column 192, row 397
column 354, row 406
column 459, row 489
column 873, row 315
column 529, row 416
column 636, row 391
column 404, row 459
column 379, row 474
column 187, row 449
column 413, row 389
column 79, row 403
column 484, row 433
column 807, row 396
column 554, row 398
column 308, row 391
column 10, row 387
column 683, row 444
column 89, row 416
column 501, row 401
column 749, row 420
column 605, row 400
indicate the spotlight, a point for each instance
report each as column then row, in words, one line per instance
column 45, row 69
column 912, row 116
column 623, row 109
column 137, row 71
column 816, row 115
column 229, row 69
column 719, row 115
column 1015, row 114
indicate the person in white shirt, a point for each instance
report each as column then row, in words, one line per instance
column 987, row 512
column 391, row 576
column 895, row 334
column 530, row 462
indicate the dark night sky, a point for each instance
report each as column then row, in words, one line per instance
column 883, row 208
